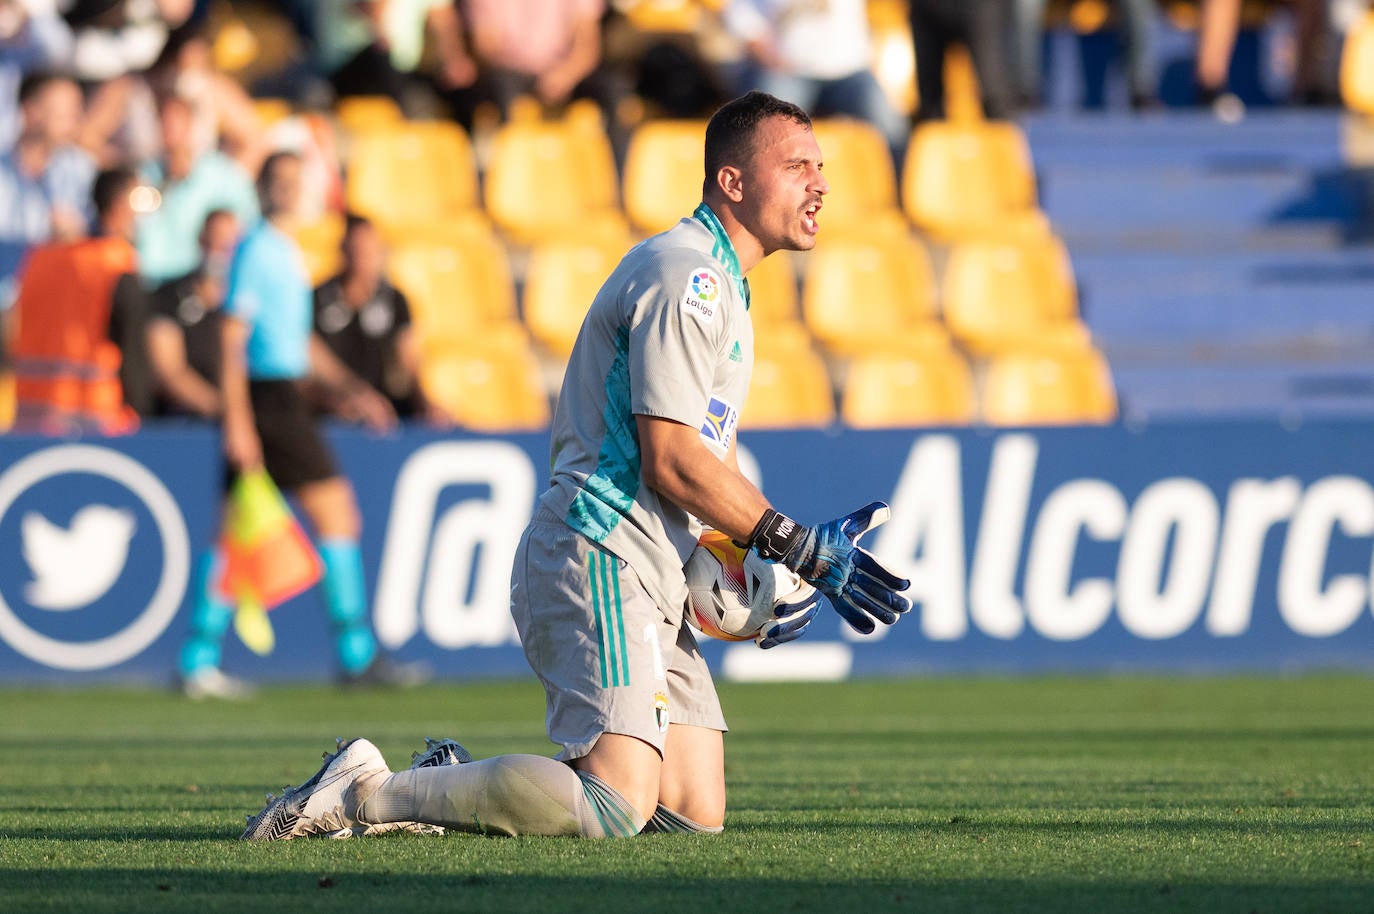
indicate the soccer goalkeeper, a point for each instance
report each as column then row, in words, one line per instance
column 644, row 452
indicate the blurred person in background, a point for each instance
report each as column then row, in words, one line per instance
column 265, row 360
column 32, row 37
column 981, row 26
column 363, row 322
column 374, row 47
column 1217, row 34
column 45, row 179
column 192, row 181
column 546, row 49
column 123, row 124
column 115, row 37
column 183, row 336
column 817, row 56
column 78, row 351
column 1136, row 25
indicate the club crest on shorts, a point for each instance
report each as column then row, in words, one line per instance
column 720, row 422
column 661, row 712
column 701, row 298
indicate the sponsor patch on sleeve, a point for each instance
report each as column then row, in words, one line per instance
column 702, row 297
column 720, row 422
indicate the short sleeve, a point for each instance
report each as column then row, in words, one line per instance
column 675, row 337
column 243, row 295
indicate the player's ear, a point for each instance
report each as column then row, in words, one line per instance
column 730, row 180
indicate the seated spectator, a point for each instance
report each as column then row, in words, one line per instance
column 122, row 124
column 184, row 329
column 374, row 47
column 547, row 49
column 32, row 38
column 364, row 322
column 192, row 182
column 816, row 55
column 979, row 25
column 45, row 180
column 78, row 349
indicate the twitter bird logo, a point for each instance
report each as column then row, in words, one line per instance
column 75, row 567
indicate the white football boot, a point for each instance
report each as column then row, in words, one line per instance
column 327, row 804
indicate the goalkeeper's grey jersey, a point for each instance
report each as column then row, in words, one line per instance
column 668, row 335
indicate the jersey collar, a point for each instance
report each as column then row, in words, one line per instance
column 723, row 249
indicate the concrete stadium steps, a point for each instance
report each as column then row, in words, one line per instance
column 1218, row 298
column 1190, row 178
column 1290, row 391
column 1224, row 269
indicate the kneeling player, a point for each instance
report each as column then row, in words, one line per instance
column 643, row 446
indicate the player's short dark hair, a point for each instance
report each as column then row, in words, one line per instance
column 34, row 83
column 109, row 186
column 730, row 132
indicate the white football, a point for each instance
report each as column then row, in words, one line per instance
column 731, row 591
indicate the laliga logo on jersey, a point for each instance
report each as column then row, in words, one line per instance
column 705, row 285
column 456, row 517
column 83, row 515
column 700, row 296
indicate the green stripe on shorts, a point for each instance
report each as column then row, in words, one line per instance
column 614, row 658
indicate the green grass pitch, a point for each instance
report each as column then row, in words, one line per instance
column 1045, row 794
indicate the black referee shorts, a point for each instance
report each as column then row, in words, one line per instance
column 293, row 450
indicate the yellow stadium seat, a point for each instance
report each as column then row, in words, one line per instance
column 455, row 290
column 319, row 243
column 487, row 384
column 773, row 290
column 1049, row 387
column 665, row 16
column 562, row 279
column 271, row 110
column 925, row 387
column 863, row 182
column 412, row 173
column 789, row 388
column 1357, row 67
column 7, row 401
column 969, row 180
column 365, row 113
column 663, row 173
column 1009, row 293
column 552, row 179
column 894, row 57
column 862, row 293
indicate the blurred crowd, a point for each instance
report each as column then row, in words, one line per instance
column 131, row 137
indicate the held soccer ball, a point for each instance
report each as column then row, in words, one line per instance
column 731, row 591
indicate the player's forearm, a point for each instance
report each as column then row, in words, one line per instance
column 694, row 479
column 234, row 375
column 191, row 392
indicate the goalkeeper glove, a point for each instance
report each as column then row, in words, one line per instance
column 827, row 556
column 791, row 615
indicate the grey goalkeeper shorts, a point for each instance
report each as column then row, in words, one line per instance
column 608, row 660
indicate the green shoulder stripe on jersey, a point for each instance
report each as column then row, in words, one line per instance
column 604, row 581
column 723, row 249
column 609, row 493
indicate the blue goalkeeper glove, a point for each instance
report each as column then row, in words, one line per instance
column 827, row 556
column 791, row 616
